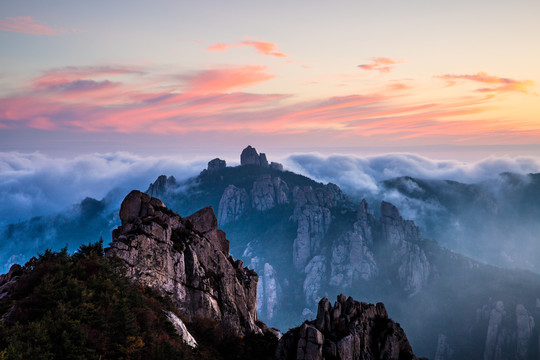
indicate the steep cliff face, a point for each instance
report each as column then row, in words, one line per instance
column 348, row 330
column 401, row 238
column 186, row 259
column 509, row 333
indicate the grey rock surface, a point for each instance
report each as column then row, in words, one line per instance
column 352, row 258
column 249, row 156
column 402, row 238
column 263, row 196
column 232, row 205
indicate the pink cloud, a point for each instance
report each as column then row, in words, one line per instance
column 261, row 47
column 381, row 64
column 27, row 25
column 223, row 80
column 219, row 47
column 500, row 84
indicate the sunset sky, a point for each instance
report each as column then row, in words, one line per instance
column 441, row 78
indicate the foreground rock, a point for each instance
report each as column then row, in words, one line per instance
column 348, row 330
column 186, row 259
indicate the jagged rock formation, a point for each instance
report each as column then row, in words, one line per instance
column 263, row 194
column 162, row 185
column 348, row 330
column 268, row 292
column 186, row 259
column 312, row 212
column 403, row 237
column 352, row 258
column 266, row 193
column 232, row 205
column 508, row 336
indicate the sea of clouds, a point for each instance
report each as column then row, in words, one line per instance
column 363, row 174
column 34, row 184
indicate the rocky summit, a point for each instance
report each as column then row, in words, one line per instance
column 347, row 330
column 186, row 259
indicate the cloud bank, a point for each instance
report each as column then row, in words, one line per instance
column 363, row 174
column 35, row 184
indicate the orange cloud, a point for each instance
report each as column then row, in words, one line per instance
column 380, row 64
column 501, row 84
column 223, row 80
column 27, row 25
column 219, row 47
column 261, row 47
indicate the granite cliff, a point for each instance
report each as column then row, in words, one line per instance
column 186, row 259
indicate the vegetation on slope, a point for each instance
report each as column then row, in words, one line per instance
column 81, row 307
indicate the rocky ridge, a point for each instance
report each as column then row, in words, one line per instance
column 348, row 330
column 186, row 259
column 342, row 259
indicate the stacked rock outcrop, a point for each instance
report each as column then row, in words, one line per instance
column 348, row 330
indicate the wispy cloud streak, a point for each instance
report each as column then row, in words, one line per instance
column 261, row 47
column 27, row 25
column 380, row 64
column 499, row 84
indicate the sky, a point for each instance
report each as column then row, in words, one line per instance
column 443, row 79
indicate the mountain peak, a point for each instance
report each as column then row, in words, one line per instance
column 348, row 330
column 249, row 156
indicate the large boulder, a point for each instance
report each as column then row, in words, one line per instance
column 249, row 156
